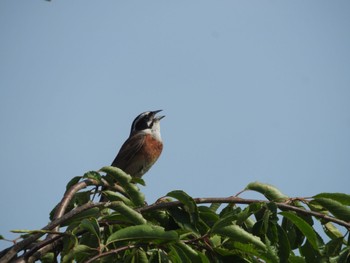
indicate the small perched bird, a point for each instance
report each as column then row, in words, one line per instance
column 143, row 147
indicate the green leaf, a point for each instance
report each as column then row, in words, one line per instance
column 311, row 254
column 336, row 208
column 332, row 231
column 137, row 180
column 185, row 253
column 69, row 242
column 92, row 226
column 339, row 197
column 333, row 247
column 189, row 204
column 93, row 212
column 136, row 196
column 214, row 206
column 130, row 214
column 237, row 233
column 303, row 226
column 72, row 182
column 48, row 258
column 93, row 175
column 118, row 174
column 82, row 251
column 142, row 233
column 295, row 236
column 248, row 211
column 182, row 219
column 344, row 256
column 82, row 198
column 296, row 259
column 269, row 191
column 139, row 256
column 283, row 244
column 115, row 196
column 207, row 215
column 227, row 220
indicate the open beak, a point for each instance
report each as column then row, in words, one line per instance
column 158, row 117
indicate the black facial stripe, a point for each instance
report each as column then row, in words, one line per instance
column 141, row 122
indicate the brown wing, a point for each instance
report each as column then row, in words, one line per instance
column 127, row 158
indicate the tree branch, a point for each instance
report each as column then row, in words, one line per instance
column 28, row 241
column 60, row 217
column 238, row 200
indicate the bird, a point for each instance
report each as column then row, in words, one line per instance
column 143, row 147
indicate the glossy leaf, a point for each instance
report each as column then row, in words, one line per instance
column 189, row 205
column 93, row 212
column 332, row 231
column 269, row 191
column 182, row 219
column 130, row 214
column 115, row 196
column 339, row 197
column 136, row 196
column 92, row 175
column 214, row 206
column 92, row 226
column 283, row 244
column 336, row 208
column 303, row 226
column 118, row 174
column 142, row 232
column 185, row 252
column 237, row 233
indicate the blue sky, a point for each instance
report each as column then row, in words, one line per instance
column 251, row 90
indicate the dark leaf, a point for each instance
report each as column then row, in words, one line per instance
column 311, row 254
column 283, row 244
column 333, row 247
column 92, row 226
column 189, row 205
column 336, row 208
column 185, row 252
column 303, row 226
column 339, row 197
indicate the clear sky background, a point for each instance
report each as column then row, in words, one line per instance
column 251, row 90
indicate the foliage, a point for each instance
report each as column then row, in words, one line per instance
column 179, row 228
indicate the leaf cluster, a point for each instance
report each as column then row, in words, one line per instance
column 179, row 228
